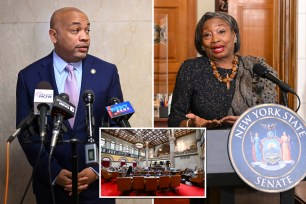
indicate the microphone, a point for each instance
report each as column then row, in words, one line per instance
column 266, row 73
column 43, row 100
column 120, row 112
column 88, row 98
column 23, row 125
column 62, row 110
column 91, row 147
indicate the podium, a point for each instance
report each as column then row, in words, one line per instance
column 220, row 173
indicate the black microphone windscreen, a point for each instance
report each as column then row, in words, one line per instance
column 114, row 101
column 88, row 96
column 44, row 85
column 260, row 70
column 264, row 72
column 64, row 96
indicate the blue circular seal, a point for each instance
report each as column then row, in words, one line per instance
column 267, row 148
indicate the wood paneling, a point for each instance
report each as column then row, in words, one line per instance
column 256, row 25
column 285, row 46
column 268, row 29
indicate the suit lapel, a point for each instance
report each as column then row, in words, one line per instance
column 46, row 73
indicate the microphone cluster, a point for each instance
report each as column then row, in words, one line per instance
column 59, row 107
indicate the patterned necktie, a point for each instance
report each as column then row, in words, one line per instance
column 71, row 88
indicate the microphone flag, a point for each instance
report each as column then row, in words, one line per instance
column 120, row 109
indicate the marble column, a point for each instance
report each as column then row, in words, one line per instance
column 199, row 134
column 147, row 153
column 107, row 144
column 171, row 142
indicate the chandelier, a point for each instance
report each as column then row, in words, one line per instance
column 139, row 145
column 139, row 141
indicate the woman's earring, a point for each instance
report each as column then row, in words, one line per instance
column 203, row 48
column 235, row 40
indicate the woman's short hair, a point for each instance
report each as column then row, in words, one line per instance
column 209, row 15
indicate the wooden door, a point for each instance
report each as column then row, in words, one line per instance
column 256, row 25
column 181, row 20
column 267, row 29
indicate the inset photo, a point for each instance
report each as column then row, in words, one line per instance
column 152, row 163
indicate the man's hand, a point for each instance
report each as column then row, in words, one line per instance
column 64, row 178
column 85, row 177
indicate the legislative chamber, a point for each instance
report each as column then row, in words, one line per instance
column 152, row 163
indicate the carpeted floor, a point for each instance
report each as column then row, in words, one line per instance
column 109, row 188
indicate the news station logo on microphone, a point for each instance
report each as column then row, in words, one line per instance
column 120, row 109
column 267, row 148
column 63, row 106
column 42, row 96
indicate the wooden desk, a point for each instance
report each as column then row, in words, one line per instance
column 160, row 122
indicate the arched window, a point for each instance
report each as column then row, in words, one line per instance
column 103, row 142
column 112, row 145
column 122, row 162
column 127, row 149
column 120, row 147
column 132, row 150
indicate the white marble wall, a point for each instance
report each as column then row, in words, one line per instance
column 191, row 162
column 301, row 57
column 185, row 142
column 121, row 33
column 203, row 7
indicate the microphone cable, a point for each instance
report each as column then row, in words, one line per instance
column 7, row 171
column 284, row 95
column 7, row 163
column 50, row 179
column 299, row 100
column 33, row 172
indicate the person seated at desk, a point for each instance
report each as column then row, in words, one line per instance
column 137, row 168
column 188, row 174
column 106, row 174
column 215, row 89
column 129, row 171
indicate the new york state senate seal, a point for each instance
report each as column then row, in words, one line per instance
column 267, row 148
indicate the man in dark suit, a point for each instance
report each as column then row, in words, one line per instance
column 69, row 32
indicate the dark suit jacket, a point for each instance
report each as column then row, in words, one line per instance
column 104, row 83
